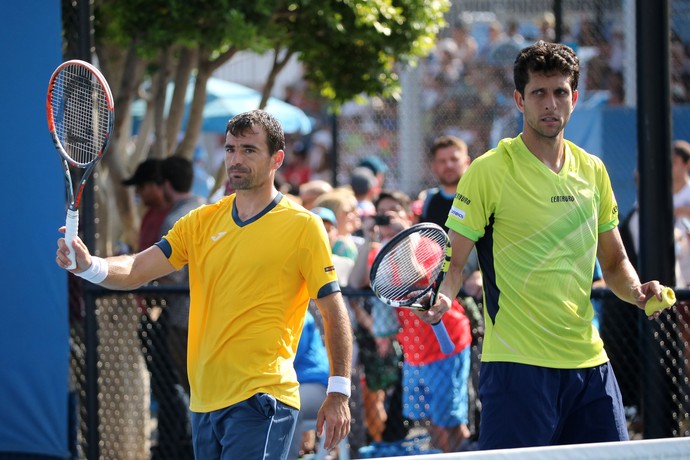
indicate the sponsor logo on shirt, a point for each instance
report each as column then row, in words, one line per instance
column 563, row 199
column 460, row 214
column 330, row 268
column 462, row 198
column 220, row 235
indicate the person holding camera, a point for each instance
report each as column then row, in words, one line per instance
column 434, row 385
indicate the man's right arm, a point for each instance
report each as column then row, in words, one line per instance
column 462, row 247
column 121, row 272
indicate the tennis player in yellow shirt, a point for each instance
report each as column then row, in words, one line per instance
column 255, row 259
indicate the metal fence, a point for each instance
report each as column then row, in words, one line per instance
column 129, row 397
column 142, row 401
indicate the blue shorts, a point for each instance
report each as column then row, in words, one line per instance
column 259, row 428
column 438, row 391
column 526, row 406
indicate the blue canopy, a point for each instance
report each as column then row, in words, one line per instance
column 225, row 99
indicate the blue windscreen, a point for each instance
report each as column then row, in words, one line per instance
column 34, row 336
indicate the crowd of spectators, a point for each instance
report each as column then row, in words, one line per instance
column 467, row 90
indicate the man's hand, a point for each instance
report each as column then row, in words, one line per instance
column 433, row 314
column 81, row 254
column 335, row 415
column 642, row 293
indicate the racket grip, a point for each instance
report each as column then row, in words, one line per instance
column 447, row 345
column 653, row 305
column 71, row 228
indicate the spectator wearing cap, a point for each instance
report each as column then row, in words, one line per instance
column 343, row 203
column 365, row 187
column 377, row 166
column 329, row 221
column 148, row 185
column 166, row 337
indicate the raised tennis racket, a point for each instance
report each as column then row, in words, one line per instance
column 408, row 267
column 80, row 114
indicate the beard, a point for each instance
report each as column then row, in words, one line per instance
column 450, row 180
column 240, row 183
column 243, row 182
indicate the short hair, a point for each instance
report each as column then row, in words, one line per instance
column 682, row 149
column 362, row 180
column 447, row 141
column 402, row 198
column 240, row 124
column 311, row 190
column 336, row 199
column 545, row 57
column 179, row 172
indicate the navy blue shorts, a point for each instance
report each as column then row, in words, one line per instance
column 526, row 406
column 256, row 429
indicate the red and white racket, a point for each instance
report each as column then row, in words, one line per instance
column 410, row 266
column 80, row 112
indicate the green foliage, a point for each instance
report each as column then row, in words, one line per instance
column 350, row 47
column 211, row 24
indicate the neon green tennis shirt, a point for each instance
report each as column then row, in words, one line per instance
column 536, row 233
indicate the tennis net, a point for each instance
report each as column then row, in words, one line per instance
column 657, row 449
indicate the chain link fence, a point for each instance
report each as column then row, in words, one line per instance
column 140, row 393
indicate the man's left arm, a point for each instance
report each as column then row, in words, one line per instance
column 619, row 274
column 335, row 410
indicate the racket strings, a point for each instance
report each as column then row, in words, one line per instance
column 410, row 267
column 81, row 113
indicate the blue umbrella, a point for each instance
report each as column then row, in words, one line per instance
column 225, row 99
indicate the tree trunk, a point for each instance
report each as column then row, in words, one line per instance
column 159, row 148
column 184, row 69
column 206, row 67
column 278, row 66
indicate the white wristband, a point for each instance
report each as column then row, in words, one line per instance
column 337, row 384
column 97, row 272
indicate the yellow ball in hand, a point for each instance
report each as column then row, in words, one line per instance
column 653, row 305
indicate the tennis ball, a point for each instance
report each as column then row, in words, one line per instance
column 653, row 305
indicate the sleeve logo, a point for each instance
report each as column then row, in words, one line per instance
column 330, row 268
column 457, row 213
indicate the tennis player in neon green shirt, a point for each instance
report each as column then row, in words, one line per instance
column 255, row 260
column 539, row 210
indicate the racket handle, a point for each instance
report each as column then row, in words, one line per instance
column 71, row 228
column 447, row 345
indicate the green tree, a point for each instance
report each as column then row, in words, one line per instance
column 347, row 47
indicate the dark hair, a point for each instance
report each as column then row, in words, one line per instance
column 545, row 57
column 401, row 198
column 447, row 141
column 179, row 172
column 275, row 137
column 682, row 149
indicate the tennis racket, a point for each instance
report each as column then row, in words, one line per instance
column 80, row 114
column 408, row 267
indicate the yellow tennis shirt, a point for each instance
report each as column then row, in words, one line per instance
column 536, row 233
column 250, row 284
